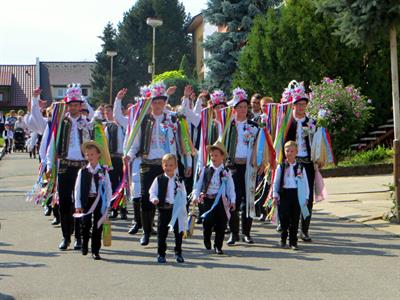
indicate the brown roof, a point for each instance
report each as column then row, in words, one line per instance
column 5, row 78
column 22, row 82
column 60, row 74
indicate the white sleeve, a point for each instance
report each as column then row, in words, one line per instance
column 231, row 189
column 198, row 185
column 77, row 193
column 89, row 108
column 118, row 116
column 277, row 182
column 108, row 189
column 190, row 114
column 35, row 120
column 153, row 191
column 50, row 151
column 135, row 145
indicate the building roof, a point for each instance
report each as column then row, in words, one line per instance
column 5, row 78
column 60, row 74
column 22, row 83
column 195, row 22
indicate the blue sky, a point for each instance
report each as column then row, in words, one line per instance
column 55, row 30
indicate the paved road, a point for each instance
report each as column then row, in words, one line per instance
column 345, row 261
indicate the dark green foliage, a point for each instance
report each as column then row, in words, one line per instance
column 224, row 47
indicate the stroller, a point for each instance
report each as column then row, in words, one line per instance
column 19, row 140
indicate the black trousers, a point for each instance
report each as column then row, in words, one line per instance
column 164, row 217
column 65, row 188
column 87, row 225
column 116, row 173
column 216, row 219
column 147, row 175
column 289, row 215
column 305, row 223
column 238, row 174
column 8, row 145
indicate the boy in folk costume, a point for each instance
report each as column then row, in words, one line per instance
column 8, row 136
column 290, row 192
column 93, row 194
column 215, row 192
column 301, row 129
column 75, row 130
column 115, row 134
column 168, row 193
column 156, row 137
column 241, row 151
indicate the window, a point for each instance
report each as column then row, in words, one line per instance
column 61, row 92
column 85, row 92
column 1, row 97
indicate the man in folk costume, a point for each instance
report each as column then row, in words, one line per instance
column 301, row 129
column 156, row 137
column 240, row 145
column 256, row 111
column 75, row 130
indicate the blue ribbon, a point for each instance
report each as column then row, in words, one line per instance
column 260, row 149
column 103, row 197
column 216, row 201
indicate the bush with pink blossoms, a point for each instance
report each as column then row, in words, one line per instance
column 342, row 110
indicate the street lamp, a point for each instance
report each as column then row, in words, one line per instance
column 154, row 22
column 111, row 54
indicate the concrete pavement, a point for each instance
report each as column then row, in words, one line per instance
column 347, row 260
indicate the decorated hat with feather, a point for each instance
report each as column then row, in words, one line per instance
column 73, row 94
column 218, row 98
column 238, row 95
column 158, row 91
column 145, row 92
column 294, row 93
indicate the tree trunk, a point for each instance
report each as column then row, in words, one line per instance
column 396, row 116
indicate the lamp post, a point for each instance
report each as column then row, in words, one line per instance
column 154, row 22
column 111, row 54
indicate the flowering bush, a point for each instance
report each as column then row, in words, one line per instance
column 342, row 110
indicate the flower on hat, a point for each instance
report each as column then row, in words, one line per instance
column 294, row 92
column 158, row 90
column 217, row 97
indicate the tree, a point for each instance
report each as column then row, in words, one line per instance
column 235, row 19
column 294, row 43
column 361, row 22
column 133, row 42
column 101, row 70
column 185, row 67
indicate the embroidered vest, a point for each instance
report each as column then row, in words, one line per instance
column 86, row 183
column 292, row 134
column 231, row 143
column 63, row 146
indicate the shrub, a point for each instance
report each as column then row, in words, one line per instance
column 346, row 112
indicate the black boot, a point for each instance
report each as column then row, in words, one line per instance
column 137, row 218
column 113, row 213
column 233, row 238
column 47, row 210
column 147, row 222
column 246, row 227
column 64, row 244
column 124, row 213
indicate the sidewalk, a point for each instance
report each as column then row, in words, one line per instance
column 362, row 199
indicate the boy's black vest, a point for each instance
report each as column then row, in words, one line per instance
column 86, row 183
column 66, row 125
column 292, row 133
column 146, row 133
column 162, row 181
column 209, row 172
column 112, row 134
column 284, row 166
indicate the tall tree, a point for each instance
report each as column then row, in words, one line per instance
column 234, row 19
column 364, row 22
column 134, row 43
column 101, row 70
